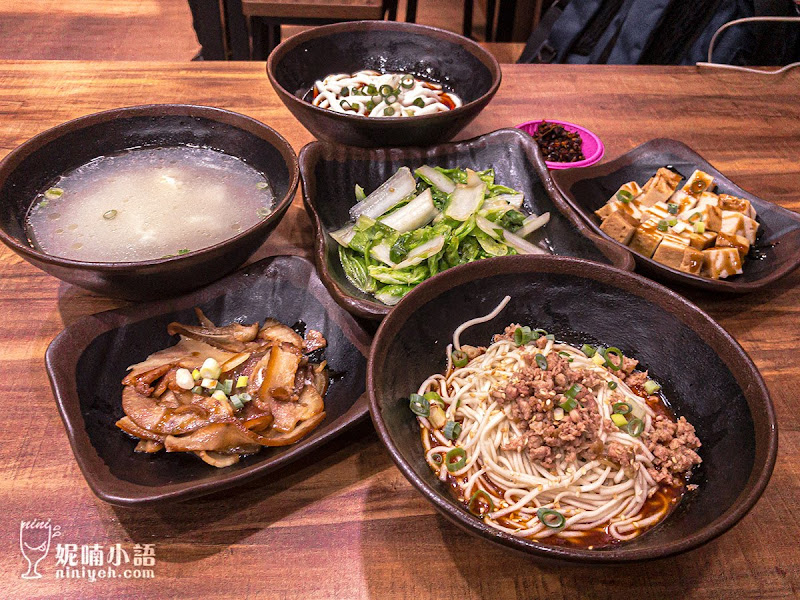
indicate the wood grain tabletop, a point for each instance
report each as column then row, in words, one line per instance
column 343, row 522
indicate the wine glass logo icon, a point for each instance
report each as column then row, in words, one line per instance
column 34, row 543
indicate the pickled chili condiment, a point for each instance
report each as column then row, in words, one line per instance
column 557, row 144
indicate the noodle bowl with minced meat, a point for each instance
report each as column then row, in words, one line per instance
column 552, row 442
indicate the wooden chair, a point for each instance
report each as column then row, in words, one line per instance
column 267, row 16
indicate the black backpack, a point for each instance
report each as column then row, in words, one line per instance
column 663, row 32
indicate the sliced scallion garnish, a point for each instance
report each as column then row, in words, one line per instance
column 460, row 358
column 588, row 350
column 109, row 214
column 480, row 495
column 419, row 102
column 407, row 81
column 552, row 519
column 624, row 196
column 541, row 361
column 568, row 404
column 619, row 420
column 615, row 352
column 612, row 385
column 522, row 335
column 419, row 405
column 452, row 429
column 388, row 111
column 662, row 225
column 183, row 251
column 635, row 427
column 573, row 390
column 53, row 193
column 621, row 408
column 434, row 397
column 455, row 459
column 672, row 208
column 651, row 387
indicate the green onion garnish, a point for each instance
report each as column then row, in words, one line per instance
column 452, row 429
column 662, row 225
column 109, row 214
column 651, row 387
column 695, row 217
column 262, row 185
column 388, row 111
column 434, row 397
column 419, row 102
column 552, row 519
column 391, row 99
column 624, row 196
column 541, row 361
column 619, row 420
column 699, row 227
column 672, row 222
column 345, row 105
column 522, row 335
column 573, row 391
column 609, row 363
column 371, row 90
column 183, row 251
column 537, row 333
column 612, row 385
column 385, row 90
column 53, row 193
column 621, row 408
column 419, row 405
column 197, row 390
column 455, row 459
column 460, row 358
column 480, row 495
column 369, row 105
column 635, row 427
column 437, row 458
column 568, row 404
column 550, row 337
column 262, row 212
column 242, row 381
column 672, row 208
column 245, row 397
column 345, row 91
column 588, row 350
column 407, row 81
column 237, row 404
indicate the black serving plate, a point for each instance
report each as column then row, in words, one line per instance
column 329, row 173
column 706, row 376
column 777, row 248
column 87, row 361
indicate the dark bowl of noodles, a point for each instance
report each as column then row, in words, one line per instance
column 705, row 378
column 39, row 163
column 460, row 65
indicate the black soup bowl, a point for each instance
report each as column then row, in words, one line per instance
column 34, row 165
column 706, row 376
column 459, row 64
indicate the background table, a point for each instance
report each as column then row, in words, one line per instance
column 343, row 522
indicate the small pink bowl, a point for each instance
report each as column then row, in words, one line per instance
column 592, row 147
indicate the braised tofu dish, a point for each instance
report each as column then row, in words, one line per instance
column 686, row 227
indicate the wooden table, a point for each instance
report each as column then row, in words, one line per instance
column 344, row 523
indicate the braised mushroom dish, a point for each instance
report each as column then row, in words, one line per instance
column 224, row 392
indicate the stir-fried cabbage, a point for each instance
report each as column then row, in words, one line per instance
column 409, row 229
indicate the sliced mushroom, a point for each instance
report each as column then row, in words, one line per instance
column 276, row 332
column 287, row 414
column 187, row 353
column 133, row 429
column 161, row 416
column 276, row 438
column 143, row 380
column 217, row 437
column 215, row 459
column 230, row 337
column 314, row 340
column 280, row 374
column 148, row 446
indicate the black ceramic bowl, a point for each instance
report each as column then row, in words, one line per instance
column 456, row 62
column 330, row 172
column 777, row 245
column 34, row 165
column 87, row 361
column 705, row 374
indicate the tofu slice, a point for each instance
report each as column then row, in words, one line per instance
column 719, row 263
column 698, row 183
column 646, row 239
column 631, row 187
column 707, row 199
column 728, row 202
column 735, row 223
column 683, row 200
column 727, row 240
column 692, row 261
column 620, row 226
column 659, row 210
column 700, row 241
column 613, row 205
column 670, row 253
column 710, row 215
column 659, row 187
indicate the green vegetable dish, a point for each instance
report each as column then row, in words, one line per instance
column 411, row 228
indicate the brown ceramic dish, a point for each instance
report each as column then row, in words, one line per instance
column 35, row 164
column 706, row 375
column 777, row 248
column 456, row 62
column 330, row 172
column 87, row 361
